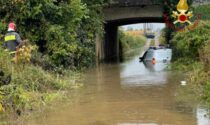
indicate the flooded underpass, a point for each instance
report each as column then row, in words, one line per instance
column 131, row 93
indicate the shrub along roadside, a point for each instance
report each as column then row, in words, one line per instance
column 204, row 11
column 191, row 50
column 130, row 42
column 64, row 30
column 188, row 44
column 25, row 88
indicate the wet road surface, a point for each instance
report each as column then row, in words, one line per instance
column 130, row 93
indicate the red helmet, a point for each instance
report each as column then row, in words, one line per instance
column 12, row 26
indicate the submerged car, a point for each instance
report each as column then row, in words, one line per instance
column 157, row 54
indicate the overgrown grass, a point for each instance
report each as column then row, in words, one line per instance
column 188, row 44
column 204, row 11
column 191, row 50
column 198, row 82
column 25, row 87
column 192, row 55
column 130, row 43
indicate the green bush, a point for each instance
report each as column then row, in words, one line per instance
column 130, row 42
column 205, row 59
column 204, row 55
column 204, row 11
column 29, row 86
column 187, row 44
column 63, row 30
column 197, row 64
column 206, row 93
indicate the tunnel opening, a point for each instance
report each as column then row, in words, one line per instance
column 113, row 47
column 108, row 49
column 136, row 39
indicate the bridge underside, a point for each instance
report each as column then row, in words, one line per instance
column 107, row 46
column 118, row 13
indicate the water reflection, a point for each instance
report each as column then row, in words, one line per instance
column 137, row 124
column 202, row 115
column 135, row 73
column 132, row 93
column 160, row 66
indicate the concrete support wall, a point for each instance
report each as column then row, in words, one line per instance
column 119, row 13
column 107, row 45
column 99, row 48
column 111, row 44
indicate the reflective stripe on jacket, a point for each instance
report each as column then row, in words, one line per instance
column 12, row 40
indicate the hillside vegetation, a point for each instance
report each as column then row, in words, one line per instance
column 25, row 88
column 204, row 11
column 64, row 30
column 191, row 50
column 130, row 42
column 64, row 33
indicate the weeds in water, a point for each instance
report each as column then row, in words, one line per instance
column 1, row 107
column 25, row 87
column 198, row 77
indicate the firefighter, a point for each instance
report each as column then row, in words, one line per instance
column 12, row 39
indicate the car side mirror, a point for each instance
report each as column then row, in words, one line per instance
column 140, row 59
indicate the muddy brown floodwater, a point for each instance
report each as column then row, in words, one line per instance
column 130, row 93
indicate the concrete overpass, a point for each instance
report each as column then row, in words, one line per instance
column 123, row 12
